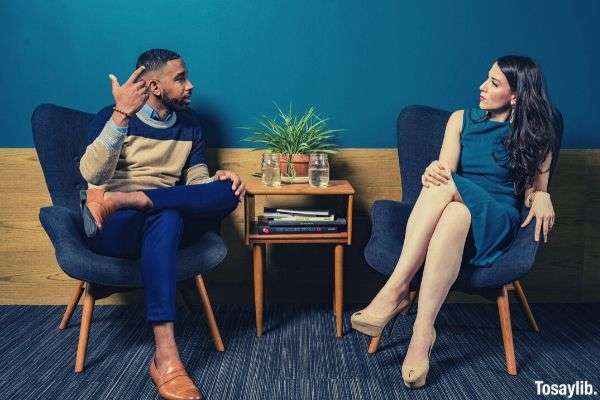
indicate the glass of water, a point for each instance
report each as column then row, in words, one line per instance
column 318, row 170
column 271, row 176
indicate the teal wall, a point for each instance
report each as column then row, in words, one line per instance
column 358, row 62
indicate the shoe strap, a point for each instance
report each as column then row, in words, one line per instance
column 168, row 377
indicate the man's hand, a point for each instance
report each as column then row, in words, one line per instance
column 132, row 95
column 238, row 187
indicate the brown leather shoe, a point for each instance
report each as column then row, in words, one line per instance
column 94, row 210
column 174, row 383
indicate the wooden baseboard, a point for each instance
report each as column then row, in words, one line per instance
column 567, row 267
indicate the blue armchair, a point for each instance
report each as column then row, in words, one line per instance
column 60, row 141
column 420, row 134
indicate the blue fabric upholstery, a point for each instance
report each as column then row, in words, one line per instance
column 420, row 134
column 59, row 137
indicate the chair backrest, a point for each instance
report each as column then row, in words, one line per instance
column 420, row 135
column 59, row 135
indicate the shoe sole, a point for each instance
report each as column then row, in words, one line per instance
column 367, row 329
column 89, row 224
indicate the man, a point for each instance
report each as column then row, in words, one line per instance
column 147, row 179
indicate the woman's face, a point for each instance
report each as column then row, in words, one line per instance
column 495, row 92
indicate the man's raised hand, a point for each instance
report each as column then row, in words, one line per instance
column 132, row 95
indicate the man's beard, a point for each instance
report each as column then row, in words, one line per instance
column 172, row 104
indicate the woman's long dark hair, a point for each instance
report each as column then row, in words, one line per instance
column 533, row 118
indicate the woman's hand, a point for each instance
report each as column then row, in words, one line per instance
column 542, row 210
column 436, row 173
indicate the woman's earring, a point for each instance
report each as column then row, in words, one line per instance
column 512, row 111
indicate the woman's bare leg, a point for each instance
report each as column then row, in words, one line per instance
column 444, row 258
column 420, row 227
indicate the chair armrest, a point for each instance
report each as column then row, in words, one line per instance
column 388, row 225
column 65, row 230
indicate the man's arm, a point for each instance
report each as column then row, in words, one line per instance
column 108, row 129
column 105, row 140
column 195, row 170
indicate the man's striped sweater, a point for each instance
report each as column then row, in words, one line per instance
column 148, row 154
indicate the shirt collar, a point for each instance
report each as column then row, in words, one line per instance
column 148, row 111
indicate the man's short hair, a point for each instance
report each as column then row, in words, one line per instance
column 155, row 59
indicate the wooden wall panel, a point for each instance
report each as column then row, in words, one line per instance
column 566, row 268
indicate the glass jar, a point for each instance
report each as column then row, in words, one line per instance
column 318, row 170
column 271, row 176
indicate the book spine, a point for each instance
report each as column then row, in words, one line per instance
column 297, row 211
column 339, row 222
column 265, row 229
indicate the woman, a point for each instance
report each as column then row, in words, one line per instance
column 492, row 158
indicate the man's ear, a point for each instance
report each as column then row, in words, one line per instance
column 154, row 87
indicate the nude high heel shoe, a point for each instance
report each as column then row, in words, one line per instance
column 414, row 376
column 373, row 325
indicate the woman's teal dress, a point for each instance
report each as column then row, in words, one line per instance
column 482, row 179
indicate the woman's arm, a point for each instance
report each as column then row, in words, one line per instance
column 438, row 172
column 450, row 152
column 538, row 199
column 540, row 183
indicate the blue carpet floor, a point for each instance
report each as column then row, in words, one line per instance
column 298, row 357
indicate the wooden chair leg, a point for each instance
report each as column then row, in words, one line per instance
column 525, row 306
column 507, row 337
column 257, row 261
column 374, row 343
column 84, row 330
column 75, row 296
column 208, row 313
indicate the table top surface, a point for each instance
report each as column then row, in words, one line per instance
column 337, row 187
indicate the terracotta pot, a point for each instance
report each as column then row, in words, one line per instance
column 299, row 162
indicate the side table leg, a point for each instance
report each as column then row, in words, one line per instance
column 339, row 289
column 257, row 257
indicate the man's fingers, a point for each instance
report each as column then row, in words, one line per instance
column 546, row 229
column 114, row 81
column 136, row 74
column 140, row 84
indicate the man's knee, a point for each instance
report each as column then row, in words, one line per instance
column 225, row 195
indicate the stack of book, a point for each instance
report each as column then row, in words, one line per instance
column 284, row 221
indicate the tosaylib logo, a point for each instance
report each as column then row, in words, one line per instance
column 579, row 388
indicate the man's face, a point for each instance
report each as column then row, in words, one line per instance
column 172, row 86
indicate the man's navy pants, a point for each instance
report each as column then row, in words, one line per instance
column 154, row 235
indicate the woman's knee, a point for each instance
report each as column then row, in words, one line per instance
column 455, row 217
column 445, row 192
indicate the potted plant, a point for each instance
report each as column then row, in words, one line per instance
column 294, row 137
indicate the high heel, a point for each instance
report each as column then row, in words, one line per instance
column 414, row 376
column 373, row 325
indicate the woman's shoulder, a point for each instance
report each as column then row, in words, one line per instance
column 455, row 122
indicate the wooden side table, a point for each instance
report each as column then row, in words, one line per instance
column 254, row 187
